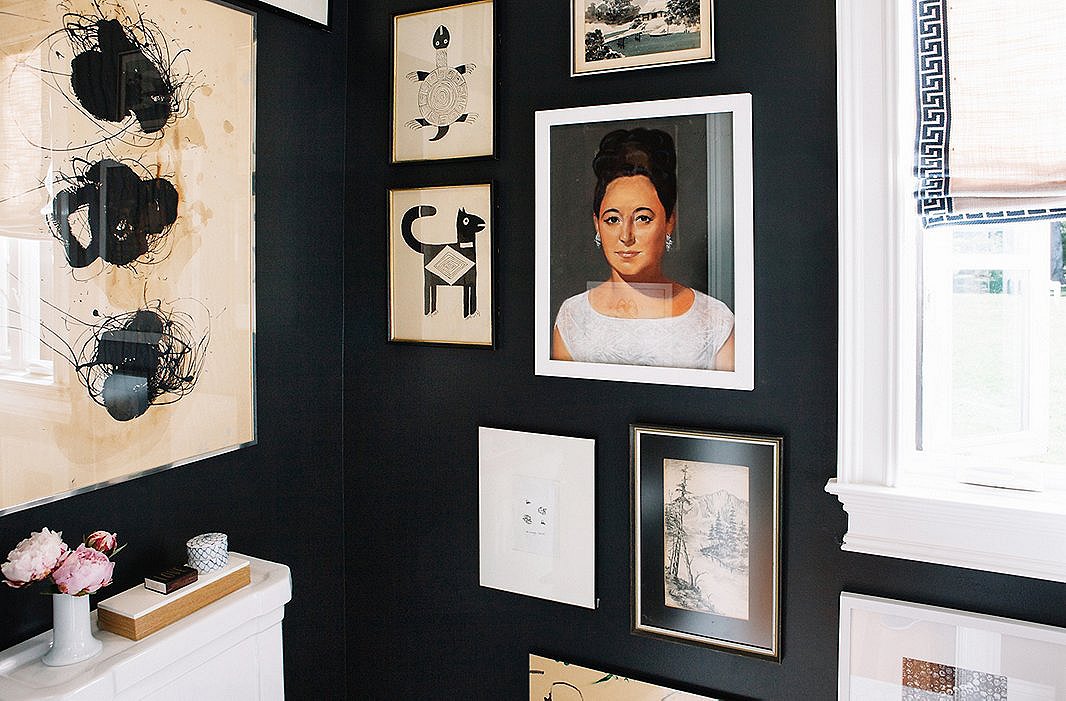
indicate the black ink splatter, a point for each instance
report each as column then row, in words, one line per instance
column 127, row 363
column 121, row 67
column 141, row 359
column 127, row 216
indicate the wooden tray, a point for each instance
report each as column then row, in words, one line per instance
column 138, row 612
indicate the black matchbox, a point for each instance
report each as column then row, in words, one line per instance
column 171, row 579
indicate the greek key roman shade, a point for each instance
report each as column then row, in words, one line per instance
column 991, row 98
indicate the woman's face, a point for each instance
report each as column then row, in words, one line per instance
column 633, row 226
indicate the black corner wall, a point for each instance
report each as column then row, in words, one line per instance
column 280, row 499
column 420, row 627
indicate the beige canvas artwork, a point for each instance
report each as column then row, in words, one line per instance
column 126, row 240
column 552, row 680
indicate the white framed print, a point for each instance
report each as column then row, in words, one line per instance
column 914, row 652
column 644, row 242
column 536, row 509
column 317, row 11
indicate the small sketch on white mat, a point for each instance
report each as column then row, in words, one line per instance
column 534, row 513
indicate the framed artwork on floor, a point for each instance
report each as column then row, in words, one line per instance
column 537, row 515
column 706, row 538
column 441, row 265
column 644, row 248
column 127, row 304
column 443, row 78
column 898, row 650
column 616, row 35
column 554, row 680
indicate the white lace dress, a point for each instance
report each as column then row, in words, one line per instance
column 690, row 340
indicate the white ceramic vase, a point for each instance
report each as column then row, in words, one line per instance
column 72, row 635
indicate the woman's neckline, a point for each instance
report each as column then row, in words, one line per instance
column 688, row 310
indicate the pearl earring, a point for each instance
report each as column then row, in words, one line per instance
column 669, row 242
column 599, row 243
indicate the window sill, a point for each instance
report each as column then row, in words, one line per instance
column 1019, row 533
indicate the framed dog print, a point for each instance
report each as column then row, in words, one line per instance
column 891, row 650
column 442, row 83
column 706, row 545
column 440, row 265
column 615, row 35
column 644, row 263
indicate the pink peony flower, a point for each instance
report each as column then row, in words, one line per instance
column 105, row 542
column 83, row 571
column 34, row 558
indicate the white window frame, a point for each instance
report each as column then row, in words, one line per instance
column 926, row 519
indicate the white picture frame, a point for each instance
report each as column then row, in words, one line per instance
column 712, row 251
column 317, row 11
column 536, row 509
column 893, row 649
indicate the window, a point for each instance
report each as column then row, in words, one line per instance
column 25, row 247
column 952, row 321
column 24, row 265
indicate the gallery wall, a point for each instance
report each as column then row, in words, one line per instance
column 419, row 624
column 280, row 499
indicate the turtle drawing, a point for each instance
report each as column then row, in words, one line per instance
column 442, row 95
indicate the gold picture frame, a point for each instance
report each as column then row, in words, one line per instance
column 443, row 83
column 641, row 34
column 441, row 265
column 706, row 538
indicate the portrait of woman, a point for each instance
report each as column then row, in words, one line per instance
column 645, row 269
column 639, row 316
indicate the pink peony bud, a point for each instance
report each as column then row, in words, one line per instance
column 34, row 558
column 83, row 571
column 105, row 542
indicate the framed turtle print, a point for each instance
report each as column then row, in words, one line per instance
column 706, row 538
column 443, row 100
column 441, row 265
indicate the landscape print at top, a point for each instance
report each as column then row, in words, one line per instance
column 619, row 34
column 126, row 305
column 707, row 537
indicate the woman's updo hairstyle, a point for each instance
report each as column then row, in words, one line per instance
column 647, row 152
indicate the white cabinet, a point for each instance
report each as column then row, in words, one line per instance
column 227, row 651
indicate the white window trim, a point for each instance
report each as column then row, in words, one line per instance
column 1020, row 533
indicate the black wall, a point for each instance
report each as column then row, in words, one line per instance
column 404, row 597
column 281, row 499
column 420, row 627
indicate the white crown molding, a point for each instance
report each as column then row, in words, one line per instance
column 1023, row 534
